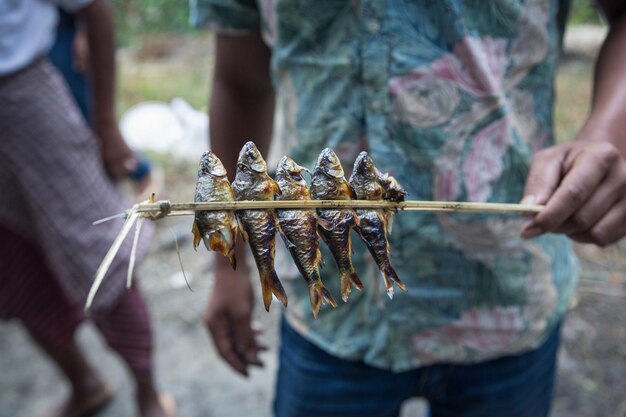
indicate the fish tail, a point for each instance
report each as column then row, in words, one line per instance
column 390, row 277
column 270, row 284
column 348, row 278
column 319, row 293
column 197, row 237
column 231, row 258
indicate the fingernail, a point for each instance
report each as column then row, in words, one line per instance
column 529, row 199
column 532, row 232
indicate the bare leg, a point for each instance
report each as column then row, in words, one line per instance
column 89, row 391
column 127, row 330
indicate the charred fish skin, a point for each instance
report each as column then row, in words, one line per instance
column 299, row 232
column 329, row 183
column 369, row 184
column 218, row 229
column 259, row 226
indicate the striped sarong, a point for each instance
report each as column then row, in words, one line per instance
column 53, row 186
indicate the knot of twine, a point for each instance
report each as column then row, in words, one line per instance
column 165, row 208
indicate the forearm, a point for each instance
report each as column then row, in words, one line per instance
column 241, row 109
column 242, row 100
column 98, row 20
column 607, row 117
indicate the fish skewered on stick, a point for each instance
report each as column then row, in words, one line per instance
column 218, row 229
column 258, row 227
column 329, row 183
column 374, row 224
column 299, row 231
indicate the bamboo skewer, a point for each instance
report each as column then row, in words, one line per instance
column 110, row 255
column 159, row 209
column 167, row 208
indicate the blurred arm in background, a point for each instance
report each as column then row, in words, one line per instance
column 583, row 182
column 119, row 159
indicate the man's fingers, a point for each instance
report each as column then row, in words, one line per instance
column 245, row 341
column 576, row 187
column 608, row 230
column 543, row 177
column 596, row 207
column 224, row 343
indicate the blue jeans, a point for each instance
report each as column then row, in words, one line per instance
column 313, row 383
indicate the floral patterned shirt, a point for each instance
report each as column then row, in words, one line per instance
column 452, row 97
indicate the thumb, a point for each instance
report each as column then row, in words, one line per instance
column 544, row 176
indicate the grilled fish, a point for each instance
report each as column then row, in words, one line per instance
column 299, row 231
column 258, row 227
column 370, row 184
column 329, row 183
column 218, row 229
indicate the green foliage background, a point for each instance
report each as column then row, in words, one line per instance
column 135, row 18
column 585, row 12
column 143, row 17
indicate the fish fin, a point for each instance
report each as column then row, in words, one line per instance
column 324, row 224
column 318, row 294
column 279, row 229
column 319, row 261
column 216, row 243
column 355, row 219
column 349, row 278
column 328, row 297
column 197, row 237
column 236, row 227
column 351, row 191
column 390, row 277
column 242, row 231
column 275, row 188
column 290, row 245
column 350, row 247
column 270, row 284
column 383, row 219
column 207, row 241
column 231, row 259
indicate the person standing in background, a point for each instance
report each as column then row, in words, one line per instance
column 455, row 100
column 56, row 178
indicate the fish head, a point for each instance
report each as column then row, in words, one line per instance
column 364, row 167
column 328, row 164
column 287, row 167
column 328, row 178
column 251, row 159
column 210, row 164
column 393, row 190
column 364, row 178
column 290, row 180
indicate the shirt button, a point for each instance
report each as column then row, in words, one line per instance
column 373, row 26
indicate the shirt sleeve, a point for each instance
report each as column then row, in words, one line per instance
column 226, row 16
